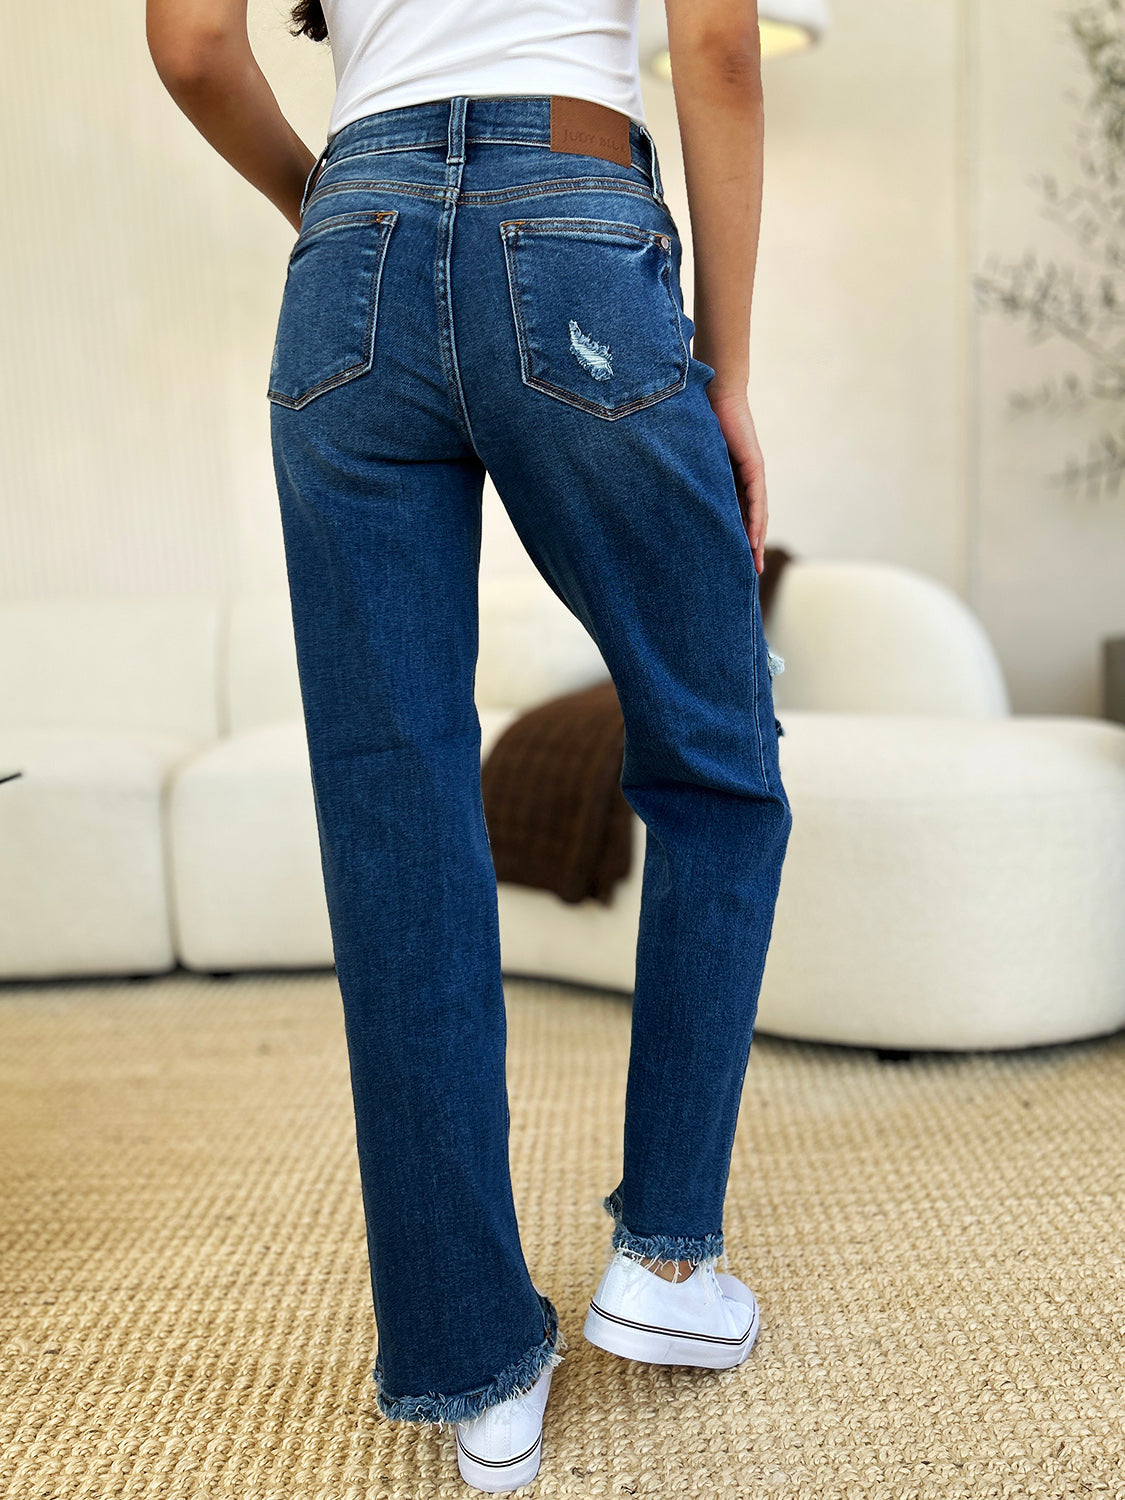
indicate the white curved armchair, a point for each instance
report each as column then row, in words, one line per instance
column 954, row 877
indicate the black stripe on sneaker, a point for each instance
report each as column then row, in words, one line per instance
column 679, row 1333
column 498, row 1463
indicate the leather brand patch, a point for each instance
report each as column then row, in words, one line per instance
column 589, row 129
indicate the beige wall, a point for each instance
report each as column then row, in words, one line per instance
column 141, row 281
column 1050, row 563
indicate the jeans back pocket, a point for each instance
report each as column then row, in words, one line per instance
column 326, row 329
column 597, row 320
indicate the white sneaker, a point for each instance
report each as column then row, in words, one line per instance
column 501, row 1449
column 709, row 1319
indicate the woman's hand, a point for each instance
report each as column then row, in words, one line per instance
column 733, row 412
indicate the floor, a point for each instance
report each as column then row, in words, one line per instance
column 936, row 1243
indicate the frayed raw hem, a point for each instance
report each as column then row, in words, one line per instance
column 518, row 1377
column 706, row 1249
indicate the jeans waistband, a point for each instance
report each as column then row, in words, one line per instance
column 466, row 120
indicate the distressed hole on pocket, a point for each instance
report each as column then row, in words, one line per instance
column 596, row 317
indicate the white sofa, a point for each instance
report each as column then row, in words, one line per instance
column 100, row 700
column 955, row 875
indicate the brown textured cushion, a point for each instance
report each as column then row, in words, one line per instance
column 557, row 817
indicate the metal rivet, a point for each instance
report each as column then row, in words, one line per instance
column 666, row 242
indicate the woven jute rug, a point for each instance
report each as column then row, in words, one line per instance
column 936, row 1245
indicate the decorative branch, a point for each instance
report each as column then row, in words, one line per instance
column 1085, row 307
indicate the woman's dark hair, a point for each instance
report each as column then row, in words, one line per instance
column 308, row 20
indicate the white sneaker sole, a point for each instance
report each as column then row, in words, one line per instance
column 654, row 1345
column 496, row 1476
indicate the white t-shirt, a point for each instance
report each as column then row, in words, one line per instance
column 389, row 53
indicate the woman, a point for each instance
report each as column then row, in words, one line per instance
column 486, row 278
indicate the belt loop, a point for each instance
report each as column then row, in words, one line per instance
column 654, row 166
column 456, row 147
column 314, row 173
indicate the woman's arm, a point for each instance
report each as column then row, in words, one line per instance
column 202, row 53
column 717, row 79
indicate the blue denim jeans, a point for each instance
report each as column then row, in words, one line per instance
column 462, row 299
